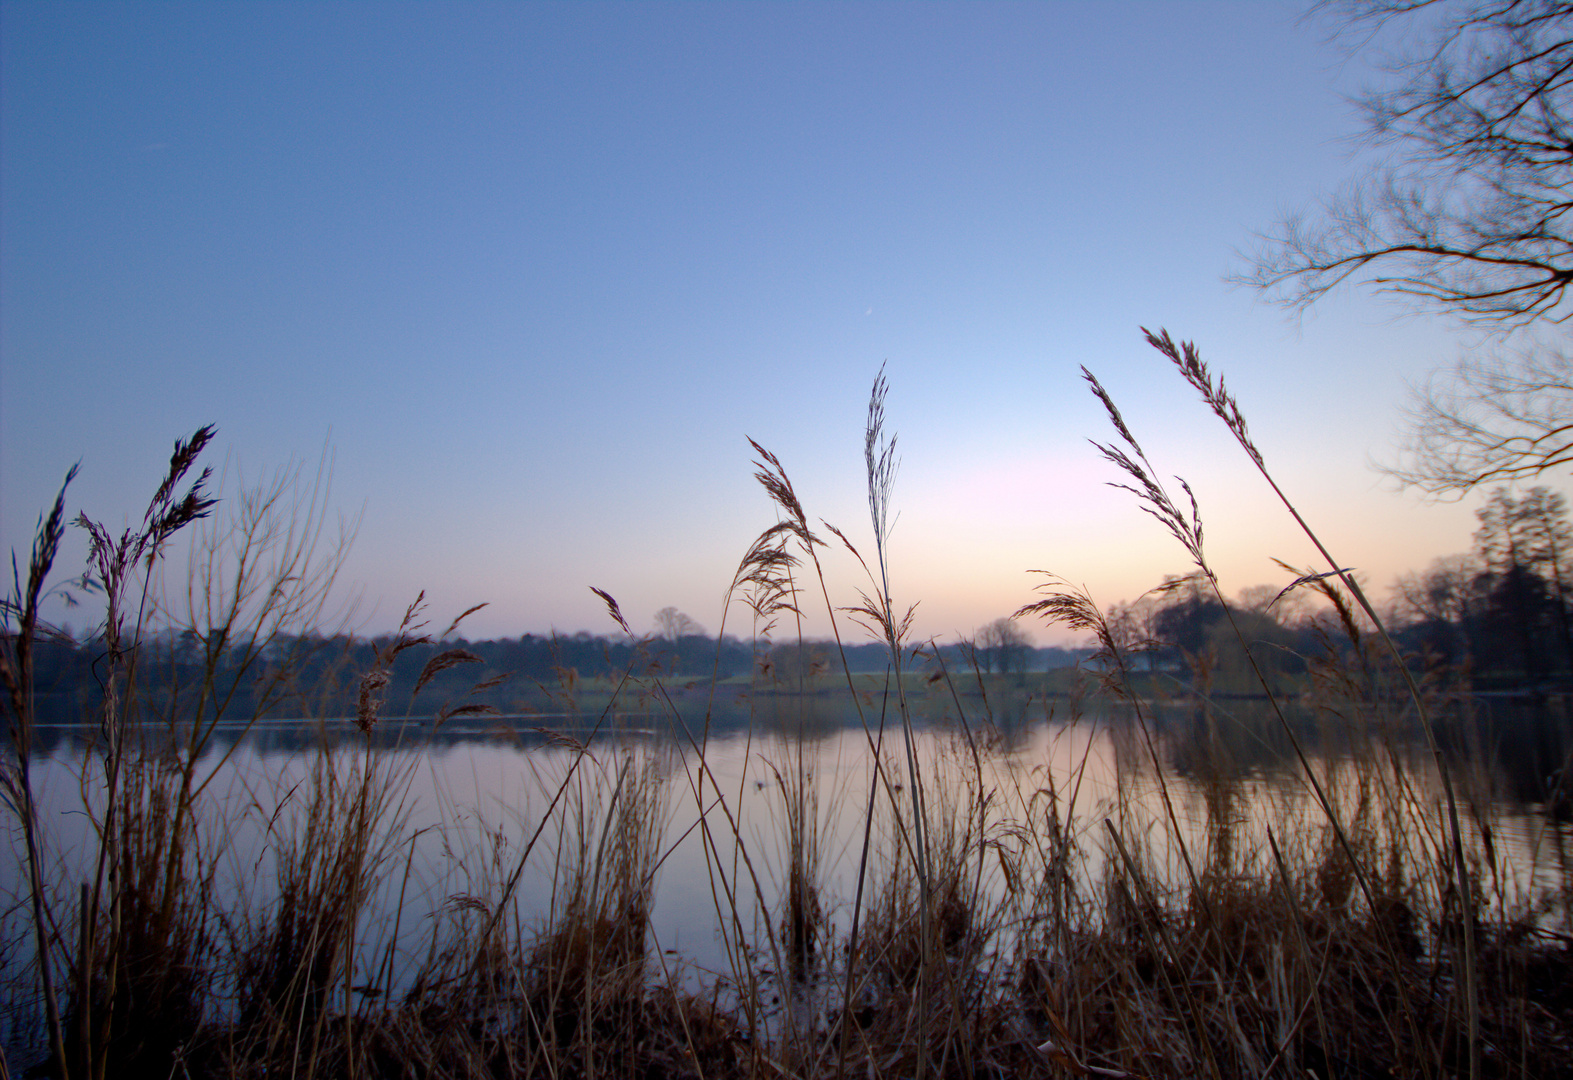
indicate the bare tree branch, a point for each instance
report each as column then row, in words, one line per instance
column 1490, row 419
column 1470, row 215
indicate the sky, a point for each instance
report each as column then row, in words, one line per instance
column 527, row 277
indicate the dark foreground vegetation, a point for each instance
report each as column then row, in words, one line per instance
column 1377, row 927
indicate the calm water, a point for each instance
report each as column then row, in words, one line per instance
column 465, row 801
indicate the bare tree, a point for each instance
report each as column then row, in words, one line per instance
column 1490, row 420
column 1257, row 599
column 1002, row 646
column 1469, row 216
column 1133, row 630
column 674, row 625
column 1442, row 593
column 1523, row 544
column 1530, row 530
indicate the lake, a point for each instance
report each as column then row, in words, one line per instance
column 787, row 780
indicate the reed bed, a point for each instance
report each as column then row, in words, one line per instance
column 1116, row 916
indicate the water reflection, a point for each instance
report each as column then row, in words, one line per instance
column 794, row 819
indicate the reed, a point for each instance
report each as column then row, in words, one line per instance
column 1141, row 907
column 16, row 671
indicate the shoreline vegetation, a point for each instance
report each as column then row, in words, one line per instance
column 991, row 929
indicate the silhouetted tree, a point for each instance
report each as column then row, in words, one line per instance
column 680, row 643
column 1133, row 627
column 1438, row 605
column 1185, row 618
column 1522, row 544
column 1469, row 216
column 674, row 625
column 1002, row 647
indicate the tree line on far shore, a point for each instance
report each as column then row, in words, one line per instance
column 1501, row 615
column 516, row 674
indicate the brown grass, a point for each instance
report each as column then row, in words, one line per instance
column 1004, row 920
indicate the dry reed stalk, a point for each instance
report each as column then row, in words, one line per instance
column 1187, row 361
column 1186, row 526
column 881, row 464
column 765, row 580
column 767, row 575
column 301, row 954
column 1222, row 975
column 16, row 671
column 116, row 565
column 765, row 572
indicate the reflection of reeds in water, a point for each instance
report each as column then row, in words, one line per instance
column 1007, row 917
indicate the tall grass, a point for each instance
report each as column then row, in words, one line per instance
column 1103, row 913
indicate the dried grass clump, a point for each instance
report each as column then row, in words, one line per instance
column 584, row 980
column 1001, row 923
column 1263, row 978
column 300, row 958
column 149, row 996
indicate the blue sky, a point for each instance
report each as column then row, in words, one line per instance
column 532, row 272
